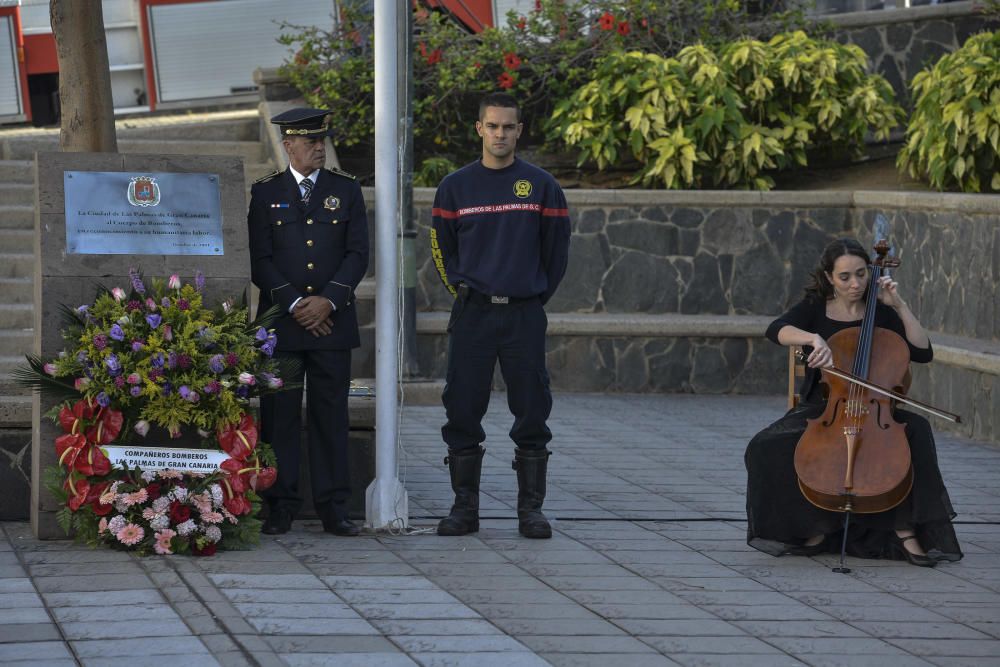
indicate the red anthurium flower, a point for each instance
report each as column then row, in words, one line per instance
column 238, row 505
column 107, row 428
column 237, row 479
column 94, row 498
column 68, row 447
column 239, row 441
column 506, row 80
column 511, row 61
column 434, row 57
column 92, row 461
column 607, row 21
column 522, row 23
column 624, row 28
column 263, row 479
column 78, row 489
column 86, row 409
column 69, row 421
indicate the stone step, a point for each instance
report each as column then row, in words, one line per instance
column 16, row 315
column 17, row 265
column 19, row 216
column 16, row 342
column 24, row 148
column 15, row 408
column 8, row 362
column 17, row 240
column 16, row 290
column 241, row 128
column 17, row 171
column 17, row 194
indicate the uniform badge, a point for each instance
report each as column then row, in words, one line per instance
column 522, row 188
column 331, row 203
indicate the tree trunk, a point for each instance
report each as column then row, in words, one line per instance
column 88, row 119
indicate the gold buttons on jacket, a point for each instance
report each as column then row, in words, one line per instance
column 309, row 266
column 309, row 289
column 309, row 243
column 334, row 221
column 309, row 221
column 278, row 223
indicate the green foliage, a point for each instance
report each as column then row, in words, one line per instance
column 726, row 116
column 541, row 57
column 953, row 140
column 432, row 170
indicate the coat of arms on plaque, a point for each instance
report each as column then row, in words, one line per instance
column 143, row 191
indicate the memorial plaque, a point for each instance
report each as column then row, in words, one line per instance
column 118, row 213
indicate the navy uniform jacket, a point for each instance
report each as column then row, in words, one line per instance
column 299, row 250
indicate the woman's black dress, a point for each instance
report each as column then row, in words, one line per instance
column 779, row 518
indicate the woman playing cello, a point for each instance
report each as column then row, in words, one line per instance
column 779, row 518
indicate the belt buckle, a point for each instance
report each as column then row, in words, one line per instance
column 499, row 299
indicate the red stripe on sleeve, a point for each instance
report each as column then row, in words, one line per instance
column 444, row 213
column 556, row 212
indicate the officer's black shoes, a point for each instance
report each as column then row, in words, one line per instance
column 465, row 466
column 531, row 465
column 278, row 522
column 335, row 521
column 342, row 527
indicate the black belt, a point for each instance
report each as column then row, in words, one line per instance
column 465, row 292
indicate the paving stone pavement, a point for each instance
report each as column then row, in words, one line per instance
column 648, row 566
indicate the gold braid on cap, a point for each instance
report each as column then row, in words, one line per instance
column 319, row 130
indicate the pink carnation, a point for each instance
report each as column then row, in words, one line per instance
column 211, row 517
column 102, row 525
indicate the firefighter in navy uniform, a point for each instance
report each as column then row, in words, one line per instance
column 500, row 240
column 309, row 250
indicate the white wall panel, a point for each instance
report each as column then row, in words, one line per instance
column 206, row 49
column 10, row 84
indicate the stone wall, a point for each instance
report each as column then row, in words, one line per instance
column 712, row 252
column 901, row 42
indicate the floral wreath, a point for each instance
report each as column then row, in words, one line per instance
column 157, row 358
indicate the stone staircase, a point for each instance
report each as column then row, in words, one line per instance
column 225, row 133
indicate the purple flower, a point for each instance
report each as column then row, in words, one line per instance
column 150, row 305
column 157, row 360
column 243, row 391
column 184, row 361
column 261, row 334
column 184, row 391
column 268, row 348
column 165, row 302
column 167, row 388
column 137, row 345
column 81, row 357
column 133, row 304
column 212, row 387
column 155, row 374
column 114, row 367
column 199, row 280
column 103, row 400
column 231, row 359
column 83, row 311
column 116, row 332
column 153, row 320
column 216, row 364
column 133, row 276
column 135, row 391
column 182, row 304
column 100, row 341
column 119, row 382
column 172, row 360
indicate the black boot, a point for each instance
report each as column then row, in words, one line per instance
column 464, row 466
column 530, row 465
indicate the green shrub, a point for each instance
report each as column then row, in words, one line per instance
column 729, row 116
column 541, row 58
column 953, row 139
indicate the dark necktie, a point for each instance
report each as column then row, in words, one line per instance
column 307, row 185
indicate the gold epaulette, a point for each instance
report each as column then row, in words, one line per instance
column 265, row 179
column 338, row 172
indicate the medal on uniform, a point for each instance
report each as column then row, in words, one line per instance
column 331, row 203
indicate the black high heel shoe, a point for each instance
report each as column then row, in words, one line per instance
column 808, row 550
column 899, row 549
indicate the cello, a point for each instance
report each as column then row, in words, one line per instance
column 855, row 457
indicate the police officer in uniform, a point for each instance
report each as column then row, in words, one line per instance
column 309, row 250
